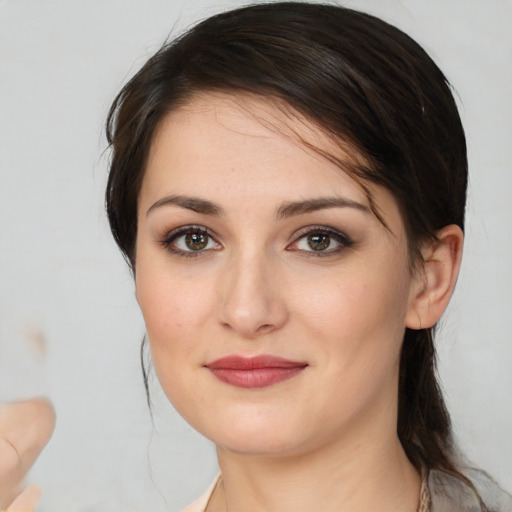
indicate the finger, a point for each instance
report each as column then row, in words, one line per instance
column 27, row 500
column 11, row 472
column 25, row 428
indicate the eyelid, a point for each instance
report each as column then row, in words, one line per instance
column 342, row 239
column 175, row 233
column 339, row 236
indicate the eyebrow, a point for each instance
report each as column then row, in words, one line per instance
column 190, row 203
column 311, row 205
column 286, row 210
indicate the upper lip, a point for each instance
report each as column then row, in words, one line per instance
column 236, row 362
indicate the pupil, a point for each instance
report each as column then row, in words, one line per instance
column 319, row 242
column 196, row 241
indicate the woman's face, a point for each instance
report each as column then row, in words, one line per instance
column 275, row 301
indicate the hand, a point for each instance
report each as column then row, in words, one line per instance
column 25, row 428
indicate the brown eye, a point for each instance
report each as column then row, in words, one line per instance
column 190, row 241
column 196, row 241
column 319, row 241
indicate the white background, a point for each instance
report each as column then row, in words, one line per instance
column 69, row 325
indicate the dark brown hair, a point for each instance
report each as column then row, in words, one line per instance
column 359, row 79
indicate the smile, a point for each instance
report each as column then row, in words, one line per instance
column 254, row 372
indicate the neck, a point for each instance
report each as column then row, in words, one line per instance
column 344, row 475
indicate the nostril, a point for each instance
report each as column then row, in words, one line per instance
column 264, row 328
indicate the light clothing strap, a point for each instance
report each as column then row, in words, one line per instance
column 201, row 503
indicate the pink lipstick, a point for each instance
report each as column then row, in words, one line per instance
column 254, row 372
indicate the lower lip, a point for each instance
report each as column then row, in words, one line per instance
column 257, row 377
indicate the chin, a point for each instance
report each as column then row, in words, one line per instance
column 253, row 436
column 257, row 445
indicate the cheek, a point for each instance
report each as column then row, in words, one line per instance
column 357, row 321
column 173, row 313
column 355, row 328
column 173, row 310
column 357, row 301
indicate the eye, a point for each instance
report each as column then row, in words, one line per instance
column 190, row 241
column 320, row 240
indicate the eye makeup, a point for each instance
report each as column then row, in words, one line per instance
column 190, row 241
column 320, row 241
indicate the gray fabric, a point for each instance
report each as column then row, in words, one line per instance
column 449, row 494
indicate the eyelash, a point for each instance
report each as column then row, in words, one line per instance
column 174, row 235
column 342, row 239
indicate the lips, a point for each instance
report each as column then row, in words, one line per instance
column 254, row 372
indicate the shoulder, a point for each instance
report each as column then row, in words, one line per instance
column 448, row 492
column 199, row 505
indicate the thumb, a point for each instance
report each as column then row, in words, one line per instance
column 27, row 500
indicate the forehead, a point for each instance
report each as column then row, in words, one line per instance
column 247, row 149
column 217, row 134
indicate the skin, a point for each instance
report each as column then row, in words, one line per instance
column 325, row 439
column 25, row 428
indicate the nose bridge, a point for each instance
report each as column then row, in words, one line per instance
column 251, row 303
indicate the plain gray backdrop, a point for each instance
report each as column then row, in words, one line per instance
column 69, row 325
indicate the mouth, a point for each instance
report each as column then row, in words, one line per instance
column 254, row 372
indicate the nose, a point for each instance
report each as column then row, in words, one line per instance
column 251, row 301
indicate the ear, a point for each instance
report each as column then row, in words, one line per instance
column 434, row 283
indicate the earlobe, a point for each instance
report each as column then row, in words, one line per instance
column 435, row 282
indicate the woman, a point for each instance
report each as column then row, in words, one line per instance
column 288, row 186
